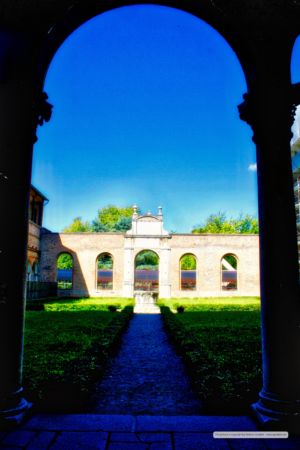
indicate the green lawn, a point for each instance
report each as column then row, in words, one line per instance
column 221, row 343
column 66, row 348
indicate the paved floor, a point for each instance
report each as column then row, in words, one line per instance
column 115, row 432
column 146, row 376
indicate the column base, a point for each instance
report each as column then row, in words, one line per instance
column 14, row 410
column 275, row 414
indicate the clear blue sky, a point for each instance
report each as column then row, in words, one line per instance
column 145, row 111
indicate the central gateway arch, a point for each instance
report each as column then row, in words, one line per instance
column 147, row 234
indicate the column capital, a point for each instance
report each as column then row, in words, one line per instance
column 255, row 107
column 42, row 110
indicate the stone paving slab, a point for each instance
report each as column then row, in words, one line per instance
column 18, row 438
column 42, row 440
column 81, row 422
column 73, row 440
column 196, row 441
column 194, row 423
column 115, row 432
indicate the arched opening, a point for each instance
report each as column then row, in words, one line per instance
column 105, row 268
column 295, row 141
column 229, row 269
column 29, row 271
column 146, row 271
column 188, row 272
column 35, row 271
column 64, row 272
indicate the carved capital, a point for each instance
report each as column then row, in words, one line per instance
column 294, row 99
column 250, row 110
column 247, row 112
column 42, row 110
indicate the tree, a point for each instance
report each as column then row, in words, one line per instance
column 113, row 218
column 65, row 261
column 188, row 262
column 123, row 224
column 218, row 223
column 146, row 259
column 77, row 226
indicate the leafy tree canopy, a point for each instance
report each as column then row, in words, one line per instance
column 113, row 218
column 147, row 259
column 188, row 262
column 65, row 261
column 218, row 223
column 105, row 261
column 109, row 218
column 78, row 226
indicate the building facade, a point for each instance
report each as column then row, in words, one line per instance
column 36, row 208
column 211, row 274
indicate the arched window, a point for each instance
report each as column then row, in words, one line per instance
column 146, row 277
column 105, row 271
column 64, row 271
column 35, row 271
column 188, row 273
column 28, row 271
column 229, row 272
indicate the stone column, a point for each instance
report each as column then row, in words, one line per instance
column 19, row 114
column 128, row 286
column 268, row 110
column 164, row 272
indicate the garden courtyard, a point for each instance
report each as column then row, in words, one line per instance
column 69, row 344
column 102, row 377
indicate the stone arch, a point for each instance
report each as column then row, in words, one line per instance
column 65, row 271
column 78, row 15
column 188, row 266
column 267, row 108
column 229, row 272
column 146, row 272
column 104, row 271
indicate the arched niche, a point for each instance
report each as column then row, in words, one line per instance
column 229, row 272
column 64, row 271
column 188, row 272
column 104, row 269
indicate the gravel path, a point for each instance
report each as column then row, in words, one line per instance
column 146, row 376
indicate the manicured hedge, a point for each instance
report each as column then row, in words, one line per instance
column 222, row 350
column 66, row 353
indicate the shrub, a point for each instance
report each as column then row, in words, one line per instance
column 180, row 309
column 112, row 308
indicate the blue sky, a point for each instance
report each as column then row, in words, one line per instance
column 145, row 111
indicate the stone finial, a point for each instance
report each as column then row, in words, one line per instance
column 135, row 211
column 159, row 211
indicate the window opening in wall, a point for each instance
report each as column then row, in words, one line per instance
column 35, row 271
column 64, row 272
column 146, row 276
column 104, row 271
column 28, row 271
column 229, row 273
column 188, row 273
